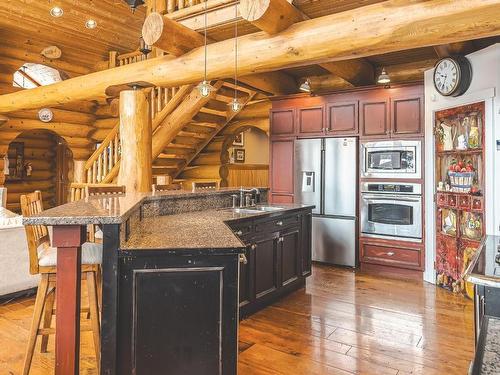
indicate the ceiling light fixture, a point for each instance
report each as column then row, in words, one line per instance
column 306, row 86
column 205, row 88
column 91, row 24
column 384, row 78
column 235, row 103
column 56, row 12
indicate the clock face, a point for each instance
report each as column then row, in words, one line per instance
column 447, row 76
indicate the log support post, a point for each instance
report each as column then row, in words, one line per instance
column 79, row 171
column 135, row 138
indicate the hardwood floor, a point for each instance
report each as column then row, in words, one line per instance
column 344, row 322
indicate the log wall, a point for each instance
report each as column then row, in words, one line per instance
column 40, row 151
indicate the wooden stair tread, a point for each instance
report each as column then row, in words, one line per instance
column 214, row 112
column 185, row 133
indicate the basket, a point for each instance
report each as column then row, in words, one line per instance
column 461, row 182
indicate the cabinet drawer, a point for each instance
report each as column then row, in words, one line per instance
column 277, row 223
column 392, row 256
column 243, row 229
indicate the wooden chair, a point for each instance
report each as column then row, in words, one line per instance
column 94, row 233
column 168, row 187
column 97, row 189
column 43, row 260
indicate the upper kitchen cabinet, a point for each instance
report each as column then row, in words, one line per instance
column 407, row 112
column 374, row 116
column 281, row 170
column 342, row 118
column 391, row 113
column 312, row 120
column 283, row 121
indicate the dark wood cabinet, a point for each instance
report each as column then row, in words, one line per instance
column 306, row 247
column 282, row 121
column 407, row 115
column 374, row 117
column 193, row 326
column 289, row 242
column 342, row 118
column 278, row 257
column 281, row 171
column 312, row 120
column 266, row 264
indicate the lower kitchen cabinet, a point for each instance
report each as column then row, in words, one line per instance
column 278, row 257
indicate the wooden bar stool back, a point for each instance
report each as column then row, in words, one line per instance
column 42, row 259
column 168, row 187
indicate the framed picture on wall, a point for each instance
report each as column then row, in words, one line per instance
column 239, row 140
column 239, row 155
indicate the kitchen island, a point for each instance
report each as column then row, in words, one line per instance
column 174, row 264
column 484, row 273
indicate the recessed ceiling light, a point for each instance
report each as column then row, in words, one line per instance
column 56, row 12
column 91, row 24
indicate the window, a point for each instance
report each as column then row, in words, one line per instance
column 32, row 75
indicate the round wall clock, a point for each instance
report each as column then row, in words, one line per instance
column 452, row 76
column 45, row 115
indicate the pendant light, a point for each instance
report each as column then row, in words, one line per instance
column 205, row 88
column 235, row 103
column 384, row 78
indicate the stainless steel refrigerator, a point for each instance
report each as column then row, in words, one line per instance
column 326, row 173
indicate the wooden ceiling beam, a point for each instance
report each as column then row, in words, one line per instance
column 351, row 34
column 273, row 16
column 460, row 48
column 408, row 72
column 357, row 72
column 172, row 37
column 328, row 82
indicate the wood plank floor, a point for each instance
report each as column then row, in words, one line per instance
column 344, row 322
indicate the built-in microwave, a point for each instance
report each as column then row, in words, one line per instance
column 391, row 159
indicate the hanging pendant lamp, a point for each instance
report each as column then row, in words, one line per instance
column 235, row 103
column 205, row 88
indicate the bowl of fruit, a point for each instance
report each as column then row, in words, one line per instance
column 461, row 175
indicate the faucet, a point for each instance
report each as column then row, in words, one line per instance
column 242, row 194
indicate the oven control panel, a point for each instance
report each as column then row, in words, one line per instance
column 394, row 188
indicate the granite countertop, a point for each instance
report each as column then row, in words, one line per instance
column 199, row 229
column 110, row 209
column 483, row 269
column 487, row 360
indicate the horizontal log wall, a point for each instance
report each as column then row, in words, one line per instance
column 39, row 150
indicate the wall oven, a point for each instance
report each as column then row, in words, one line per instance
column 391, row 210
column 391, row 159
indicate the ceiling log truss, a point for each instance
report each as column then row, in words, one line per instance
column 371, row 30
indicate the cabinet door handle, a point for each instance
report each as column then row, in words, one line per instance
column 253, row 247
column 390, row 253
column 239, row 233
column 279, row 223
column 243, row 259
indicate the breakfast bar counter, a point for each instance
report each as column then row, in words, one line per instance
column 176, row 266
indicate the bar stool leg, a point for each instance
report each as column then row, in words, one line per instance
column 47, row 318
column 35, row 323
column 94, row 313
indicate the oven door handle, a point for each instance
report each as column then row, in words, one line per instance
column 392, row 198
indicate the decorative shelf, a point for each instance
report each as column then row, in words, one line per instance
column 476, row 151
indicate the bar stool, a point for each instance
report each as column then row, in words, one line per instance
column 43, row 261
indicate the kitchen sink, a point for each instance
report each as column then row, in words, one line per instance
column 253, row 210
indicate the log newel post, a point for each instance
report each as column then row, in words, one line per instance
column 79, row 175
column 135, row 139
column 68, row 240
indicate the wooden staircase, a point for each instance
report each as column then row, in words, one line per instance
column 184, row 124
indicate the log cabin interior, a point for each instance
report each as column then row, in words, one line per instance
column 249, row 187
